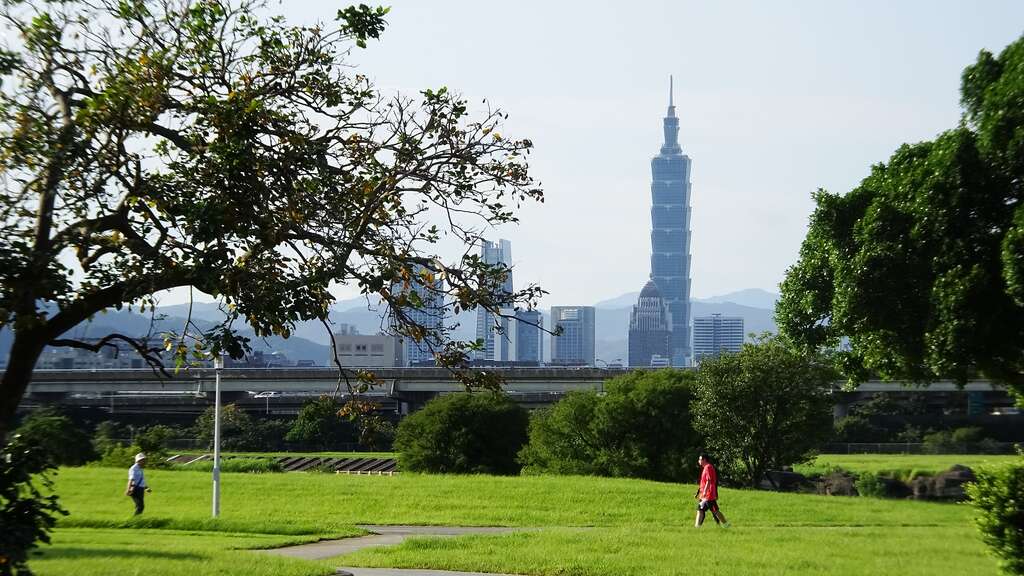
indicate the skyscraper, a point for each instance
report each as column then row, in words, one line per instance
column 575, row 345
column 670, row 233
column 715, row 334
column 491, row 253
column 529, row 336
column 430, row 315
column 650, row 328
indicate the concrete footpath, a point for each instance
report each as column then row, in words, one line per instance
column 384, row 536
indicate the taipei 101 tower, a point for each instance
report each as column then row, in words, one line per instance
column 670, row 233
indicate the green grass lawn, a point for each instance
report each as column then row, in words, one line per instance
column 898, row 465
column 592, row 526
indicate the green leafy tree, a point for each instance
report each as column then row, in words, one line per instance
column 921, row 267
column 763, row 408
column 465, row 433
column 641, row 427
column 57, row 437
column 155, row 144
column 563, row 438
column 28, row 506
column 319, row 424
column 996, row 495
column 234, row 427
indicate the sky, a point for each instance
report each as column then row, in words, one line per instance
column 775, row 99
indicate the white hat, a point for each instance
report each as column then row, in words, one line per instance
column 140, row 456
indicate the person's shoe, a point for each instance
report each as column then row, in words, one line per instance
column 725, row 525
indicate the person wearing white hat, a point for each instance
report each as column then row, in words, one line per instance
column 137, row 487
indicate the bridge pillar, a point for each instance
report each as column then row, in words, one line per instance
column 840, row 410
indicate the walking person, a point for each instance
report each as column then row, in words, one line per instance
column 707, row 493
column 137, row 486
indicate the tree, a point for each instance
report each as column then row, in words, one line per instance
column 763, row 408
column 28, row 506
column 641, row 427
column 235, row 427
column 921, row 267
column 154, row 144
column 996, row 496
column 464, row 433
column 320, row 425
column 563, row 438
column 57, row 438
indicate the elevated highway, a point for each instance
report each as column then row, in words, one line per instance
column 399, row 388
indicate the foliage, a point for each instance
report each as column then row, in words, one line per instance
column 960, row 440
column 154, row 144
column 763, row 408
column 107, row 435
column 868, row 484
column 57, row 437
column 320, row 425
column 921, row 267
column 238, row 430
column 464, row 433
column 639, row 428
column 997, row 499
column 122, row 456
column 857, row 428
column 563, row 438
column 154, row 440
column 28, row 503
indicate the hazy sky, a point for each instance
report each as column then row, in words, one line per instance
column 775, row 100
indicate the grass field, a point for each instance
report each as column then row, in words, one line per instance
column 898, row 465
column 588, row 526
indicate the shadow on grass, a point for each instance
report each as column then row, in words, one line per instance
column 80, row 553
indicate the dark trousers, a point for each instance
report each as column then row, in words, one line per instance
column 138, row 496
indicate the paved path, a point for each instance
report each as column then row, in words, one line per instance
column 384, row 536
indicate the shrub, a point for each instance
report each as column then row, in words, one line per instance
column 640, row 428
column 563, row 438
column 940, row 442
column 320, row 426
column 966, row 435
column 998, row 497
column 28, row 506
column 106, row 436
column 868, row 484
column 57, row 437
column 154, row 440
column 463, row 433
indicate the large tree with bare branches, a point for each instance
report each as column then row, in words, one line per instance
column 153, row 144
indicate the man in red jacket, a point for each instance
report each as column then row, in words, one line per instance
column 707, row 493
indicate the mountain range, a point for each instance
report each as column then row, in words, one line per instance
column 310, row 340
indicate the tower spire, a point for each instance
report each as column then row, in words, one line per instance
column 670, row 105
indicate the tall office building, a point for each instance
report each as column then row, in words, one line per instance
column 430, row 315
column 575, row 345
column 715, row 334
column 650, row 328
column 491, row 253
column 529, row 336
column 520, row 340
column 670, row 233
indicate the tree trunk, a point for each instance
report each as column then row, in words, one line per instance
column 25, row 351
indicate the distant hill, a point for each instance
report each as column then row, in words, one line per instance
column 752, row 297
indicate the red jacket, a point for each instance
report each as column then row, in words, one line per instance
column 708, row 483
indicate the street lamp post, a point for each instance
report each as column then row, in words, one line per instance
column 218, row 363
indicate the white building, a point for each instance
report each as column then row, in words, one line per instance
column 715, row 334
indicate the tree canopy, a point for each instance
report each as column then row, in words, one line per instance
column 154, row 144
column 764, row 408
column 918, row 273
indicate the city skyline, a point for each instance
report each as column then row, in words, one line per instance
column 792, row 97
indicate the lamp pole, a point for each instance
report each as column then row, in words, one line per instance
column 218, row 363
